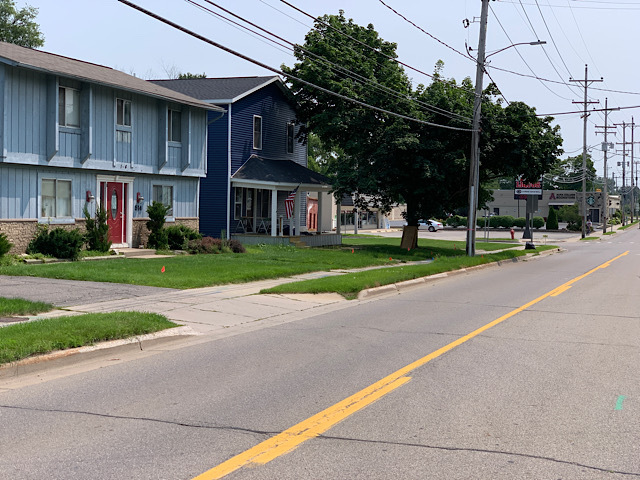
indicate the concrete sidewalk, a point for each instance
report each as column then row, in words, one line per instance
column 221, row 311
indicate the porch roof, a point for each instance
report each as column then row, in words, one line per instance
column 260, row 172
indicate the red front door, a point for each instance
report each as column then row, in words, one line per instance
column 116, row 219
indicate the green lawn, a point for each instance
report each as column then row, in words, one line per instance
column 260, row 262
column 350, row 284
column 43, row 336
column 18, row 306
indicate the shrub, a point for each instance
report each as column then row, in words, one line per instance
column 5, row 245
column 158, row 237
column 179, row 236
column 537, row 222
column 59, row 243
column 214, row 245
column 456, row 221
column 236, row 246
column 552, row 219
column 205, row 245
column 519, row 222
column 97, row 236
column 569, row 214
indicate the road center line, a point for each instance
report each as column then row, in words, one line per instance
column 319, row 423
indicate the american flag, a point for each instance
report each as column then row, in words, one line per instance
column 290, row 202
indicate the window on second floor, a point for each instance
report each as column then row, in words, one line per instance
column 175, row 126
column 68, row 107
column 123, row 112
column 290, row 136
column 55, row 198
column 257, row 132
column 164, row 194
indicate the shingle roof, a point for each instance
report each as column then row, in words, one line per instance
column 219, row 90
column 279, row 171
column 69, row 67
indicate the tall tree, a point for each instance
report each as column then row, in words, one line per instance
column 19, row 26
column 391, row 159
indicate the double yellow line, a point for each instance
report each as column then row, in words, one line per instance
column 321, row 422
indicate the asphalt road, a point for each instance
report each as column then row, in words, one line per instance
column 550, row 391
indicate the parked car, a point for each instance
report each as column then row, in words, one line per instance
column 431, row 225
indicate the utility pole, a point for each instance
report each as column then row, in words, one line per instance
column 605, row 148
column 585, row 83
column 632, row 202
column 624, row 168
column 474, row 167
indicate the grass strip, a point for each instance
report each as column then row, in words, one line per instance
column 18, row 306
column 47, row 335
column 629, row 225
column 350, row 284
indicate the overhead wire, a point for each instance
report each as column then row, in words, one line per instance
column 279, row 72
column 522, row 58
column 349, row 73
column 422, row 29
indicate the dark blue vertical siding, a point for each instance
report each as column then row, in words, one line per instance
column 213, row 187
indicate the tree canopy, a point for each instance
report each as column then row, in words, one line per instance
column 391, row 159
column 566, row 174
column 18, row 26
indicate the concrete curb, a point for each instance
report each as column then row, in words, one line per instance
column 63, row 358
column 397, row 287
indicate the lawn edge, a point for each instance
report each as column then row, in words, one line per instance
column 397, row 287
column 60, row 358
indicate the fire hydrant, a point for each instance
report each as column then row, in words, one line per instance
column 512, row 234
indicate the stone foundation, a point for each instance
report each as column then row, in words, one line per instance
column 21, row 232
column 140, row 235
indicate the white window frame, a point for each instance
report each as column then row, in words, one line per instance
column 124, row 103
column 64, row 93
column 170, row 132
column 257, row 136
column 55, row 218
column 291, row 135
column 170, row 214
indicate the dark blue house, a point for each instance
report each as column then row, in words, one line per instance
column 254, row 159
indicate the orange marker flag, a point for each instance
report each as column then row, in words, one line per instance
column 162, row 269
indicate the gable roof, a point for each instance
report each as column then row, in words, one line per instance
column 17, row 56
column 280, row 172
column 221, row 90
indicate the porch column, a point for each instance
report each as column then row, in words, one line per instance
column 338, row 216
column 319, row 220
column 296, row 213
column 274, row 212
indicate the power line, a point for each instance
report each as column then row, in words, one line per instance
column 522, row 58
column 336, row 67
column 552, row 39
column 279, row 72
column 423, row 30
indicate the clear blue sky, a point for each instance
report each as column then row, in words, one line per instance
column 598, row 33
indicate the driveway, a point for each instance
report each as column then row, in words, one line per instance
column 65, row 293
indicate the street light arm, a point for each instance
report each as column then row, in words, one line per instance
column 537, row 42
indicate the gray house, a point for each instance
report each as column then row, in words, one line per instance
column 76, row 134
